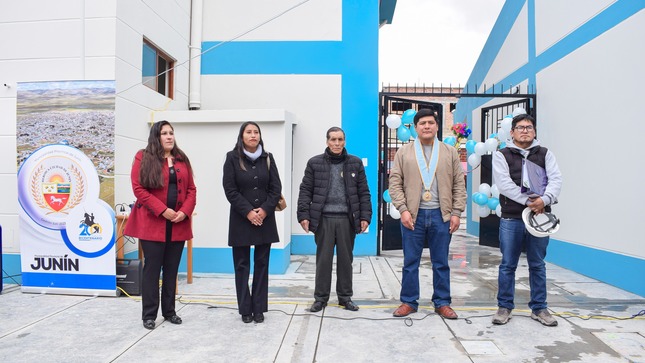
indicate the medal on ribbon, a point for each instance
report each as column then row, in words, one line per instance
column 427, row 170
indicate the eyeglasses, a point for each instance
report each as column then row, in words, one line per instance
column 528, row 128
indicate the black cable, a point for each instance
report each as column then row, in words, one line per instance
column 409, row 321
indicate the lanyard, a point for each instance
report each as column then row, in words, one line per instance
column 427, row 170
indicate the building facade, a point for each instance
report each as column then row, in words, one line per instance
column 582, row 60
column 295, row 67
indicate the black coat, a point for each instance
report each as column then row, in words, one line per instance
column 315, row 187
column 246, row 190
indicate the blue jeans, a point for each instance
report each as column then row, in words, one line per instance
column 512, row 236
column 429, row 226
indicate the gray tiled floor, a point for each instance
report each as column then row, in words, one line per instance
column 57, row 328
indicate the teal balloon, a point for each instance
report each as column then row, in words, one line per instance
column 480, row 198
column 492, row 136
column 408, row 116
column 502, row 145
column 403, row 133
column 450, row 140
column 470, row 146
column 413, row 131
column 492, row 203
column 386, row 196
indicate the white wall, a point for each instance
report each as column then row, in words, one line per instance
column 206, row 137
column 589, row 113
column 314, row 110
column 167, row 25
column 313, row 20
column 593, row 121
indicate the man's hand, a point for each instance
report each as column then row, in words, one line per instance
column 536, row 205
column 454, row 223
column 406, row 220
column 364, row 225
column 305, row 225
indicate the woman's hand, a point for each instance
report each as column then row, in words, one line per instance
column 254, row 216
column 179, row 216
column 169, row 214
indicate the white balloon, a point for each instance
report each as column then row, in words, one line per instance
column 506, row 124
column 483, row 211
column 494, row 191
column 394, row 213
column 484, row 188
column 474, row 160
column 393, row 121
column 498, row 210
column 480, row 148
column 503, row 135
column 491, row 144
column 519, row 111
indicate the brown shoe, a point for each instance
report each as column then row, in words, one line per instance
column 446, row 312
column 404, row 310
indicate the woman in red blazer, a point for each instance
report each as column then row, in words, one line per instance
column 162, row 181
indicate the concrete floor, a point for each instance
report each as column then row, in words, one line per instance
column 58, row 328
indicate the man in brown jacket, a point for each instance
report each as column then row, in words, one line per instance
column 427, row 188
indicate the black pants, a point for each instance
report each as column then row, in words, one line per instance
column 256, row 300
column 334, row 231
column 158, row 256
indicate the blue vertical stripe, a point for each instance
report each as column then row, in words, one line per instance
column 355, row 58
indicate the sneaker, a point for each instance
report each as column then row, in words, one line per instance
column 544, row 317
column 502, row 316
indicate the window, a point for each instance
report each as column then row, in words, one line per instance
column 155, row 62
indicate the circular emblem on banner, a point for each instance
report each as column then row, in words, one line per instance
column 89, row 229
column 53, row 181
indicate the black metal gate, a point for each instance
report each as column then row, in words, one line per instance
column 398, row 101
column 390, row 227
column 491, row 118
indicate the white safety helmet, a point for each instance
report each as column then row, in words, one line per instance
column 540, row 225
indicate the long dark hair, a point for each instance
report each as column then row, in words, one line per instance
column 239, row 146
column 150, row 174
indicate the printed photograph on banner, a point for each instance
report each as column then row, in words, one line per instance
column 74, row 113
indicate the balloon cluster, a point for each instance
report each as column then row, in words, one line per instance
column 487, row 200
column 394, row 213
column 403, row 124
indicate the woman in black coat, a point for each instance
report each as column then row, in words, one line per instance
column 252, row 186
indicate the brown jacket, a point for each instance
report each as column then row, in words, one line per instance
column 406, row 182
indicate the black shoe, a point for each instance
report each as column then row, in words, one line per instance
column 149, row 324
column 247, row 318
column 317, row 306
column 349, row 305
column 174, row 319
column 258, row 318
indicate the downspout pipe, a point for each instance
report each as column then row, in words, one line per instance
column 195, row 64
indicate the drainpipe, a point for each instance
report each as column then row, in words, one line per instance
column 195, row 64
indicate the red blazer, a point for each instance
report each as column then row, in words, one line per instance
column 146, row 220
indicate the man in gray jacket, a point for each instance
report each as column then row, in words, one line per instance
column 427, row 187
column 334, row 203
column 510, row 174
